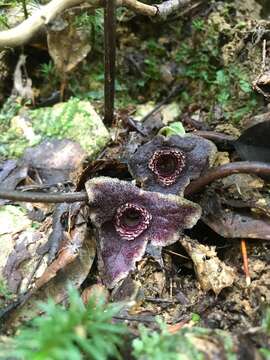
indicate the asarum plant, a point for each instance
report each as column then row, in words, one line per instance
column 126, row 218
column 168, row 164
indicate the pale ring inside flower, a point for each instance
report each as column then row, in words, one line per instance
column 167, row 165
column 131, row 220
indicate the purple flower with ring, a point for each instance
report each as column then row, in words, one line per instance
column 127, row 218
column 167, row 164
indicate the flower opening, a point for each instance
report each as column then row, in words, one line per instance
column 127, row 219
column 167, row 165
column 131, row 221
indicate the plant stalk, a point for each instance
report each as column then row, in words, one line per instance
column 109, row 60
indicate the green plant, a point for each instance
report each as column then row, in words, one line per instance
column 3, row 21
column 151, row 69
column 211, row 82
column 79, row 332
column 266, row 328
column 174, row 128
column 198, row 24
column 4, row 292
column 10, row 141
column 92, row 23
column 159, row 345
column 50, row 74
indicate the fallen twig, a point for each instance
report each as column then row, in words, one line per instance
column 239, row 167
column 250, row 167
column 35, row 197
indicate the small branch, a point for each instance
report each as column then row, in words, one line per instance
column 35, row 197
column 223, row 141
column 215, row 136
column 22, row 33
column 170, row 6
column 138, row 7
column 241, row 167
column 175, row 91
column 250, row 167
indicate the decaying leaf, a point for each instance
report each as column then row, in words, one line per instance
column 72, row 266
column 261, row 83
column 67, row 44
column 5, row 169
column 211, row 272
column 54, row 160
column 69, row 251
column 235, row 224
column 19, row 243
column 232, row 223
column 12, row 176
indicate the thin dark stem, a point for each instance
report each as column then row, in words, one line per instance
column 240, row 167
column 175, row 91
column 25, row 12
column 218, row 138
column 109, row 60
column 213, row 135
column 43, row 197
column 250, row 167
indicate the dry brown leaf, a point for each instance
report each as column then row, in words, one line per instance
column 71, row 267
column 211, row 272
column 67, row 44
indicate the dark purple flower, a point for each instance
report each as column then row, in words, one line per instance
column 167, row 164
column 127, row 218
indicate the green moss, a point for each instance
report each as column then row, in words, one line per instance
column 266, row 329
column 212, row 83
column 75, row 120
column 4, row 292
column 7, row 134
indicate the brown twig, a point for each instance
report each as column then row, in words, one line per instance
column 175, row 91
column 109, row 60
column 34, row 197
column 225, row 140
column 240, row 167
column 219, row 172
column 215, row 136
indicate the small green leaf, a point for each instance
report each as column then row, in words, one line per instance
column 245, row 86
column 195, row 317
column 175, row 128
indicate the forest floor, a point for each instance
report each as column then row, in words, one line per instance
column 207, row 63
